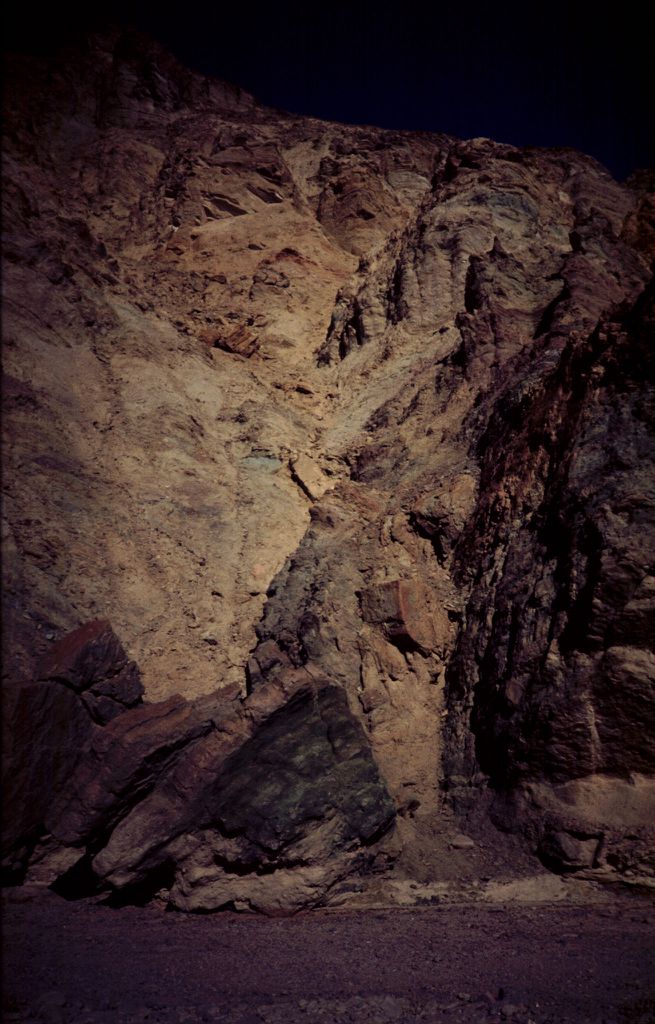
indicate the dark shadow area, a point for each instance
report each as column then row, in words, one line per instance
column 141, row 893
column 79, row 882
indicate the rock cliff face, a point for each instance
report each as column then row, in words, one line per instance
column 349, row 433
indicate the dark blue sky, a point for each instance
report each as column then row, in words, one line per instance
column 576, row 74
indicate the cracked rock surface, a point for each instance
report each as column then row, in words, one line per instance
column 349, row 434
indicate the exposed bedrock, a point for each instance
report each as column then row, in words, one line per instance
column 349, row 433
column 551, row 684
column 84, row 682
column 264, row 804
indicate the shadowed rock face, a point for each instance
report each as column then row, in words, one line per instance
column 262, row 805
column 85, row 681
column 91, row 660
column 349, row 433
column 558, row 677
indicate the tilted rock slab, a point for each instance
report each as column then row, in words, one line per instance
column 281, row 800
column 263, row 804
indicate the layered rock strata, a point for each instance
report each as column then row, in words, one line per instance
column 350, row 434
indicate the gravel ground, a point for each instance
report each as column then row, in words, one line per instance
column 87, row 964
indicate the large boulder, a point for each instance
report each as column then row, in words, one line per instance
column 264, row 803
column 50, row 726
column 120, row 765
column 267, row 812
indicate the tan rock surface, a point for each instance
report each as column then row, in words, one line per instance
column 168, row 234
column 288, row 396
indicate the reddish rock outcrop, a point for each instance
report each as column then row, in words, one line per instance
column 44, row 729
column 91, row 660
column 405, row 611
column 49, row 727
column 268, row 812
column 265, row 804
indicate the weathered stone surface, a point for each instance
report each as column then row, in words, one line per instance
column 121, row 765
column 201, row 885
column 462, row 842
column 600, row 825
column 457, row 335
column 309, row 477
column 566, row 852
column 51, row 861
column 404, row 609
column 91, row 660
column 240, row 341
column 267, row 661
column 45, row 728
column 125, row 687
column 138, row 454
column 553, row 698
column 307, row 760
column 49, row 730
column 287, row 783
column 87, row 656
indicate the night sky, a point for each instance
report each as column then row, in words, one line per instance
column 546, row 74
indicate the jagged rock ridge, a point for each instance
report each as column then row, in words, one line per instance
column 357, row 421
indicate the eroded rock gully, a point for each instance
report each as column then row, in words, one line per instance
column 349, row 434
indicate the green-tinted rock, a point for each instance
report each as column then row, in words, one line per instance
column 309, row 760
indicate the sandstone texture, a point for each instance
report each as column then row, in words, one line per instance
column 349, row 434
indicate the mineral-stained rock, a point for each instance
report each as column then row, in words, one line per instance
column 226, row 795
column 552, row 698
column 405, row 611
column 240, row 341
column 289, row 782
column 121, row 765
column 49, row 730
column 214, row 311
column 306, row 761
column 87, row 656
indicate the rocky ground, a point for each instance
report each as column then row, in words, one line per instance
column 80, row 963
